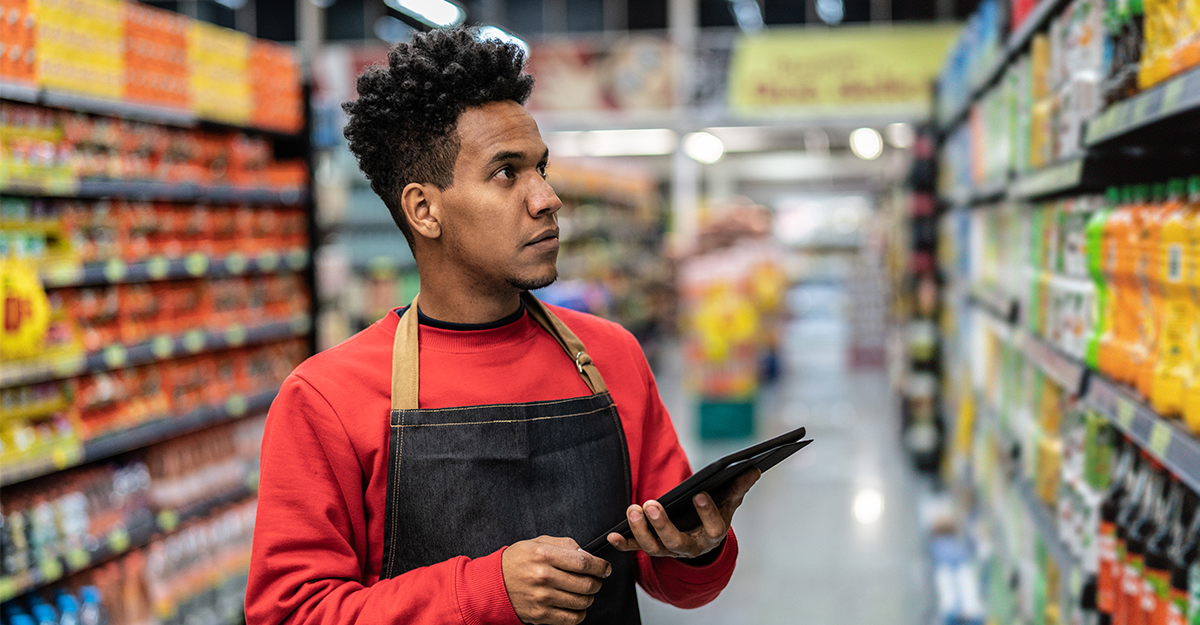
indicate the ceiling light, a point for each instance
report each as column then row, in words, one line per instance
column 900, row 135
column 831, row 11
column 748, row 15
column 392, row 30
column 703, row 147
column 436, row 13
column 492, row 32
column 868, row 506
column 638, row 142
column 866, row 143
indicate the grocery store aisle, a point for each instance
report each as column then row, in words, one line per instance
column 815, row 548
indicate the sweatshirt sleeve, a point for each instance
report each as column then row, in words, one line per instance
column 308, row 562
column 664, row 464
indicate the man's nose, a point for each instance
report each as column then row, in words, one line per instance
column 542, row 199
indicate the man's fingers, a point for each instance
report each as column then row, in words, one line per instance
column 714, row 524
column 643, row 533
column 623, row 544
column 737, row 491
column 668, row 535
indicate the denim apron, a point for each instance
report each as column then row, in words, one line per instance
column 467, row 481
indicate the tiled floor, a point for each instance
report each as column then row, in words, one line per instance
column 805, row 557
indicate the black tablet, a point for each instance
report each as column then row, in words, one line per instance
column 711, row 479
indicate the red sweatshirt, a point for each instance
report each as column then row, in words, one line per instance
column 318, row 541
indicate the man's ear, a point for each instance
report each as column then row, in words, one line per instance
column 419, row 202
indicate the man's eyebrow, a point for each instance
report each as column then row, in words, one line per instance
column 501, row 157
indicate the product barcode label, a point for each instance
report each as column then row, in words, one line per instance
column 1175, row 262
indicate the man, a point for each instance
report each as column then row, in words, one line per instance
column 454, row 483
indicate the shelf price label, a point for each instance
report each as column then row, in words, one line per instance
column 235, row 336
column 237, row 405
column 118, row 540
column 8, row 588
column 1142, row 109
column 115, row 270
column 297, row 259
column 51, row 569
column 1125, row 412
column 168, row 520
column 194, row 341
column 63, row 274
column 116, row 356
column 196, row 264
column 1172, row 95
column 66, row 454
column 268, row 261
column 236, row 263
column 162, row 347
column 252, row 481
column 301, row 324
column 1160, row 438
column 78, row 559
column 158, row 267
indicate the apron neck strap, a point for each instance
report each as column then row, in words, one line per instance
column 406, row 359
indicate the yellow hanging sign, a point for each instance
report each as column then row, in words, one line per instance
column 26, row 310
column 845, row 70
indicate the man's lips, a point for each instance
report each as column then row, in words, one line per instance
column 546, row 239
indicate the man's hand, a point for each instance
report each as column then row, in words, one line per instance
column 551, row 580
column 658, row 536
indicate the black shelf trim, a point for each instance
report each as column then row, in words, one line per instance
column 1176, row 96
column 184, row 192
column 162, row 268
column 165, row 347
column 145, row 434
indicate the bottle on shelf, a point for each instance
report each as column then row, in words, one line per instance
column 1129, row 585
column 1153, row 213
column 1170, row 373
column 1100, row 272
column 1116, row 343
column 1156, row 592
column 1109, row 573
column 1191, row 257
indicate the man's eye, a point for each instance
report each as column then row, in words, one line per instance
column 505, row 173
column 541, row 170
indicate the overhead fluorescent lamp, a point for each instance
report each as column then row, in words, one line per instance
column 747, row 14
column 639, row 142
column 232, row 4
column 492, row 32
column 866, row 143
column 703, row 147
column 435, row 13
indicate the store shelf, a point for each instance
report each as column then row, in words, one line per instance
column 1002, row 307
column 1173, row 98
column 1058, row 178
column 158, row 430
column 162, row 191
column 1166, row 439
column 134, row 111
column 1173, row 446
column 119, row 541
column 18, row 93
column 1041, row 516
column 1037, row 20
column 163, row 347
column 116, row 108
column 162, row 268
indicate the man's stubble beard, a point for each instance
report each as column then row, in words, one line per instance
column 533, row 284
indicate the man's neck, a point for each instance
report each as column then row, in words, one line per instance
column 465, row 307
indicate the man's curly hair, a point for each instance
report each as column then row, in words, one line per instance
column 403, row 126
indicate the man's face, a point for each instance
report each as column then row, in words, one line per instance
column 499, row 217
